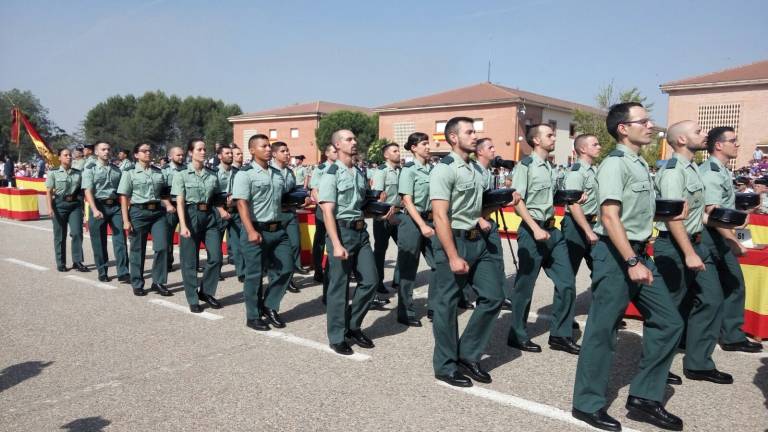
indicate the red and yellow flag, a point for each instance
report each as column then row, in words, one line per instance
column 42, row 148
column 15, row 125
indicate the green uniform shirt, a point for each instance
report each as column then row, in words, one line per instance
column 101, row 179
column 226, row 178
column 126, row 164
column 414, row 181
column 64, row 182
column 289, row 182
column 317, row 174
column 582, row 177
column 262, row 188
column 680, row 179
column 299, row 173
column 718, row 184
column 170, row 170
column 78, row 164
column 461, row 184
column 345, row 187
column 196, row 187
column 141, row 184
column 386, row 178
column 623, row 176
column 535, row 180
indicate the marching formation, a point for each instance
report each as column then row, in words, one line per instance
column 691, row 293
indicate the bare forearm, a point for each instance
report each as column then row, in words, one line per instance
column 618, row 236
column 413, row 211
column 577, row 213
column 90, row 198
column 181, row 211
column 124, row 207
column 522, row 211
column 678, row 232
column 445, row 235
column 245, row 216
column 329, row 219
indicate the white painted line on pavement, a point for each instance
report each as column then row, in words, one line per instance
column 311, row 344
column 91, row 282
column 26, row 264
column 524, row 404
column 180, row 308
column 27, row 226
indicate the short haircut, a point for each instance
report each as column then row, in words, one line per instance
column 534, row 131
column 452, row 127
column 122, row 150
column 617, row 115
column 139, row 145
column 716, row 134
column 328, row 148
column 222, row 148
column 58, row 153
column 481, row 142
column 256, row 137
column 96, row 144
column 191, row 144
column 388, row 145
column 579, row 140
column 277, row 144
column 414, row 139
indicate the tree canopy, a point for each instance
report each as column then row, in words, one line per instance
column 37, row 114
column 365, row 127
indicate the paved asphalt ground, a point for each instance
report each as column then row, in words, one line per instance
column 78, row 355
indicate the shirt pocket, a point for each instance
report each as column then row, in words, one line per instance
column 344, row 185
column 465, row 186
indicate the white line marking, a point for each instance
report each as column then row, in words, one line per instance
column 27, row 226
column 180, row 308
column 524, row 404
column 311, row 344
column 91, row 282
column 26, row 264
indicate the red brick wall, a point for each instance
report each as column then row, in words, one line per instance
column 303, row 145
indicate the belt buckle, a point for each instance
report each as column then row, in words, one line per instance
column 109, row 201
column 68, row 198
column 549, row 223
column 696, row 238
column 202, row 206
column 473, row 234
column 272, row 226
column 359, row 225
column 151, row 206
column 429, row 215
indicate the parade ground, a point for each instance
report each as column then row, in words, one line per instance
column 82, row 355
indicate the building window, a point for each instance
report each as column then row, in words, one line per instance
column 247, row 134
column 401, row 131
column 711, row 116
column 272, row 133
column 294, row 132
column 572, row 130
column 440, row 126
column 479, row 125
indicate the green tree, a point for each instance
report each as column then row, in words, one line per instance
column 37, row 114
column 374, row 150
column 365, row 127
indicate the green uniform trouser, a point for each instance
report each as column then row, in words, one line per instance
column 203, row 227
column 411, row 244
column 341, row 316
column 172, row 219
column 144, row 222
column 578, row 246
column 698, row 297
column 67, row 214
column 294, row 238
column 318, row 242
column 232, row 228
column 444, row 298
column 552, row 255
column 612, row 290
column 98, row 229
column 383, row 230
column 732, row 282
column 274, row 255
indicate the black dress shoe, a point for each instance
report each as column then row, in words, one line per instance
column 713, row 375
column 464, row 304
column 652, row 412
column 455, row 379
column 241, row 279
column 506, row 304
column 743, row 346
column 381, row 289
column 525, row 346
column 230, row 260
column 126, row 278
column 200, row 269
column 395, row 286
column 430, row 314
column 674, row 379
column 103, row 278
column 318, row 277
column 342, row 348
column 379, row 302
column 359, row 338
column 222, row 278
column 139, row 292
column 575, row 326
column 474, row 371
column 564, row 344
column 161, row 289
column 80, row 267
column 599, row 419
column 410, row 322
column 257, row 324
column 212, row 302
column 301, row 270
column 195, row 308
column 292, row 287
column 274, row 318
column 62, row 268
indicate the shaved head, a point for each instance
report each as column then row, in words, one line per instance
column 678, row 130
column 688, row 134
column 339, row 135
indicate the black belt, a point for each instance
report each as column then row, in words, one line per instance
column 638, row 247
column 152, row 205
column 269, row 226
column 427, row 215
column 203, row 206
column 695, row 238
column 470, row 234
column 353, row 224
column 591, row 219
column 69, row 198
column 546, row 224
column 107, row 201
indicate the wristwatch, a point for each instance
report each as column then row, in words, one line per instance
column 632, row 261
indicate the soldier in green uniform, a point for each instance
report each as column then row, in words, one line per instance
column 623, row 272
column 541, row 245
column 237, row 157
column 723, row 145
column 123, row 160
column 88, row 153
column 385, row 179
column 686, row 264
column 300, row 172
column 65, row 205
column 318, row 241
column 258, row 189
column 78, row 161
column 143, row 211
column 175, row 164
column 100, row 182
column 230, row 225
column 456, row 187
column 341, row 195
column 195, row 189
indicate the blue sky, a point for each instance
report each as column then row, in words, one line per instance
column 74, row 54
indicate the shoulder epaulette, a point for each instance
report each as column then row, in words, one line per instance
column 210, row 171
column 408, row 165
column 273, row 169
column 713, row 166
column 671, row 163
column 91, row 165
column 383, row 167
column 181, row 168
column 156, row 168
column 246, row 167
column 75, row 169
column 129, row 168
column 616, row 153
column 526, row 160
column 321, row 166
column 332, row 169
column 447, row 160
column 576, row 167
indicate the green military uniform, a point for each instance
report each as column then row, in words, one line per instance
column 580, row 177
column 300, row 173
column 78, row 164
column 67, row 212
column 535, row 180
column 345, row 187
column 385, row 178
column 718, row 191
column 172, row 219
column 144, row 186
column 199, row 189
column 318, row 241
column 102, row 179
column 414, row 182
column 232, row 225
column 698, row 295
column 126, row 164
column 263, row 189
column 461, row 183
column 288, row 216
column 623, row 177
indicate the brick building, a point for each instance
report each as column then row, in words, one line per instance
column 293, row 124
column 736, row 97
column 501, row 113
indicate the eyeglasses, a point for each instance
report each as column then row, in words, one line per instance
column 732, row 140
column 144, row 151
column 642, row 122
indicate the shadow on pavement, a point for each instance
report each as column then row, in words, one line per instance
column 87, row 424
column 761, row 380
column 15, row 374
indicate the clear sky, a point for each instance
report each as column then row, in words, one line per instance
column 264, row 54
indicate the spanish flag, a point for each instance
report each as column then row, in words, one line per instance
column 15, row 125
column 42, row 148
